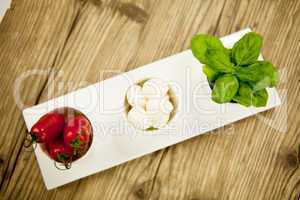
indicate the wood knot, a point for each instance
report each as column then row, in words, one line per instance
column 133, row 12
column 1, row 161
column 290, row 158
column 140, row 193
column 143, row 190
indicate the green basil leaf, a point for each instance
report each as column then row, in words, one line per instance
column 260, row 98
column 209, row 50
column 246, row 51
column 247, row 97
column 210, row 73
column 225, row 88
column 201, row 43
column 260, row 75
column 245, row 101
column 244, row 95
column 219, row 61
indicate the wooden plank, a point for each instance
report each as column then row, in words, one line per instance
column 32, row 34
column 112, row 37
column 251, row 159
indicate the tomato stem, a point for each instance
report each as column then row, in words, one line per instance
column 66, row 164
column 29, row 141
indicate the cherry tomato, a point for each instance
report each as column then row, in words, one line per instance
column 78, row 133
column 60, row 152
column 47, row 128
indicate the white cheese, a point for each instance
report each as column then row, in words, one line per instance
column 135, row 96
column 159, row 119
column 155, row 88
column 162, row 105
column 139, row 118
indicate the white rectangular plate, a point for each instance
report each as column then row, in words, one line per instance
column 4, row 5
column 115, row 141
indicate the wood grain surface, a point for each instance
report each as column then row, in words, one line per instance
column 71, row 43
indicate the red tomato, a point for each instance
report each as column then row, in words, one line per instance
column 60, row 152
column 78, row 133
column 48, row 128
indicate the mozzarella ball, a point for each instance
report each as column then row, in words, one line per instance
column 159, row 120
column 162, row 105
column 138, row 117
column 153, row 105
column 155, row 88
column 135, row 96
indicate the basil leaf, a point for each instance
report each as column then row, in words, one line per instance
column 244, row 95
column 201, row 43
column 260, row 75
column 210, row 73
column 209, row 50
column 247, row 97
column 246, row 51
column 260, row 98
column 242, row 100
column 225, row 88
column 219, row 61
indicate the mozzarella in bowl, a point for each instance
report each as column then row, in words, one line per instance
column 151, row 104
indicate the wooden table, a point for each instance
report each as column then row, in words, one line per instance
column 68, row 43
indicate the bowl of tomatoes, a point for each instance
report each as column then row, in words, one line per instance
column 64, row 134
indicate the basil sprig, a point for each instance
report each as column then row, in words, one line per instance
column 225, row 88
column 247, row 50
column 236, row 73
